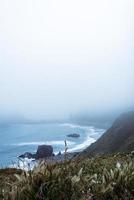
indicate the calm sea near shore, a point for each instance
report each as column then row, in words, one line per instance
column 16, row 139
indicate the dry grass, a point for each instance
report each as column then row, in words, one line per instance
column 101, row 178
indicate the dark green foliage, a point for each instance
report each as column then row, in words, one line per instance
column 108, row 177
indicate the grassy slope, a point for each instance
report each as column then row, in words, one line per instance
column 101, row 178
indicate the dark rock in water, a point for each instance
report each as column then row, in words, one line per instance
column 74, row 135
column 44, row 151
column 27, row 155
column 119, row 138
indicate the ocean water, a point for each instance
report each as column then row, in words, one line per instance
column 16, row 139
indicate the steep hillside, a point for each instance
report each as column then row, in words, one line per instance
column 119, row 138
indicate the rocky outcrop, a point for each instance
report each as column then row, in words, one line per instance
column 119, row 138
column 43, row 151
column 74, row 135
column 27, row 155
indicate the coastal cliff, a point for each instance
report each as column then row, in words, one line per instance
column 118, row 138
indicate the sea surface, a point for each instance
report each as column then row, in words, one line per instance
column 16, row 139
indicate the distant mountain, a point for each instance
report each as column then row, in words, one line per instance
column 118, row 138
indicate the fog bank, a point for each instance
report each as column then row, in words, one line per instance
column 59, row 58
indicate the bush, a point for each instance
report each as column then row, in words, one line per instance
column 108, row 177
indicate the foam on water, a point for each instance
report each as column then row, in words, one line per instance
column 25, row 164
column 90, row 131
column 44, row 143
column 83, row 145
column 75, row 126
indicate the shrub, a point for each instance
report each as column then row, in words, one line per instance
column 108, row 177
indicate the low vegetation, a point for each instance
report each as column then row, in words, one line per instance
column 109, row 177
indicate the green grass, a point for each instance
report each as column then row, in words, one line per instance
column 99, row 178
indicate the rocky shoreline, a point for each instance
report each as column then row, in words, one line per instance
column 45, row 153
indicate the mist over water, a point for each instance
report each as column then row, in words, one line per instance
column 65, row 57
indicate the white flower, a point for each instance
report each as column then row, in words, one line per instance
column 118, row 165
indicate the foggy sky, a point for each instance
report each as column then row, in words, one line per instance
column 60, row 57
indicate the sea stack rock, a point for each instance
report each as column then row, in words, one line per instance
column 74, row 135
column 44, row 151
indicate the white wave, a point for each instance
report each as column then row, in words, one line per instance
column 25, row 164
column 75, row 126
column 85, row 128
column 59, row 142
column 91, row 132
column 89, row 140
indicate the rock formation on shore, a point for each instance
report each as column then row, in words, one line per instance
column 43, row 151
